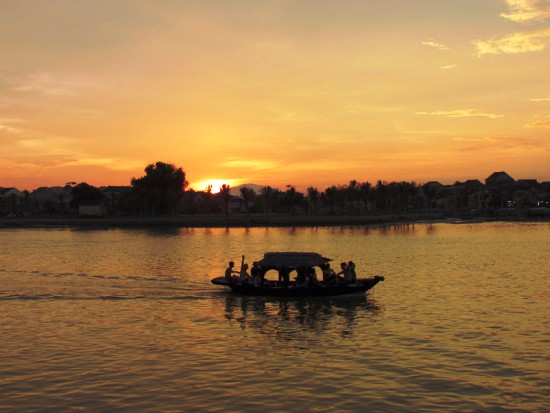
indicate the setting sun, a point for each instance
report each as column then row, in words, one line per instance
column 215, row 183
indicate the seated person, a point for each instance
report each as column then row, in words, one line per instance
column 255, row 273
column 352, row 275
column 312, row 278
column 328, row 273
column 229, row 271
column 284, row 277
column 343, row 275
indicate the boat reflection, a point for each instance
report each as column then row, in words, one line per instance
column 287, row 319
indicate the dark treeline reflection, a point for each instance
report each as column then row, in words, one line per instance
column 288, row 319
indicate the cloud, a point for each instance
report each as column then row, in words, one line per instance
column 527, row 10
column 6, row 125
column 540, row 100
column 250, row 164
column 520, row 42
column 435, row 45
column 485, row 139
column 502, row 144
column 540, row 121
column 51, row 84
column 461, row 113
column 447, row 67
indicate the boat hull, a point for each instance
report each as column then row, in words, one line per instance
column 361, row 286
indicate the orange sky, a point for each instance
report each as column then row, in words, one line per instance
column 274, row 92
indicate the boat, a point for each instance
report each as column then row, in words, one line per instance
column 283, row 264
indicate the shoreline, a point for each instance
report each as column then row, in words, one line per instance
column 238, row 221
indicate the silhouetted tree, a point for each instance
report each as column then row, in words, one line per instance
column 292, row 198
column 313, row 197
column 331, row 197
column 85, row 193
column 353, row 195
column 161, row 187
column 365, row 189
column 267, row 195
column 208, row 200
column 248, row 195
column 225, row 195
column 381, row 195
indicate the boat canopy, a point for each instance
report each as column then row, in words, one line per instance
column 292, row 260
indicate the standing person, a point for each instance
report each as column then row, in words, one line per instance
column 229, row 271
column 244, row 275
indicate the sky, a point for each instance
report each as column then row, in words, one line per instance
column 278, row 92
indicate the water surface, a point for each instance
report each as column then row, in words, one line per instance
column 126, row 320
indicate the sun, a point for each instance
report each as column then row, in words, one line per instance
column 216, row 184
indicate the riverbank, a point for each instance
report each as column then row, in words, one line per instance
column 236, row 221
column 213, row 221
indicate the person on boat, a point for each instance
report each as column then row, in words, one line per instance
column 284, row 276
column 343, row 275
column 229, row 272
column 312, row 279
column 257, row 274
column 328, row 273
column 302, row 277
column 244, row 276
column 352, row 275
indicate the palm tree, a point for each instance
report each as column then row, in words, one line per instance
column 313, row 196
column 381, row 195
column 353, row 193
column 247, row 194
column 292, row 198
column 331, row 194
column 365, row 189
column 226, row 197
column 267, row 195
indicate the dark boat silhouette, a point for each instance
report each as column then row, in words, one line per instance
column 284, row 264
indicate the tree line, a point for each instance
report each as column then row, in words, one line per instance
column 164, row 190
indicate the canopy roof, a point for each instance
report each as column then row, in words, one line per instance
column 292, row 259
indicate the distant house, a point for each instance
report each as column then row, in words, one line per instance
column 11, row 201
column 433, row 194
column 112, row 196
column 92, row 209
column 50, row 200
column 544, row 195
column 499, row 179
column 526, row 193
column 469, row 195
column 236, row 205
column 500, row 186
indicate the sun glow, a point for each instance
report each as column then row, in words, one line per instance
column 216, row 184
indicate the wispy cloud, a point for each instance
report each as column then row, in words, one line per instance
column 6, row 125
column 250, row 164
column 447, row 67
column 540, row 100
column 540, row 121
column 484, row 139
column 501, row 144
column 520, row 42
column 461, row 113
column 527, row 10
column 52, row 84
column 435, row 45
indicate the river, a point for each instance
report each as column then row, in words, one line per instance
column 127, row 320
